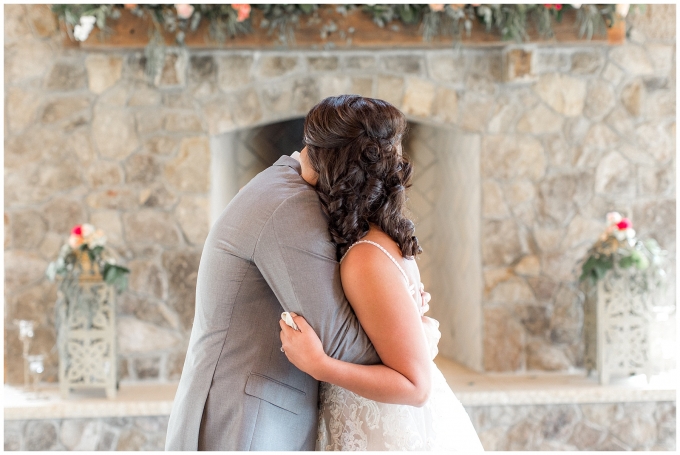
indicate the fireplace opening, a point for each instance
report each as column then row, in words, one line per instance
column 444, row 202
column 238, row 156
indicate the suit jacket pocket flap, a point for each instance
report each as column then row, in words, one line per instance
column 275, row 392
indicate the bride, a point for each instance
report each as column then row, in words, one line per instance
column 353, row 158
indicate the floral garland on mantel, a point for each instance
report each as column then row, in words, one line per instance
column 228, row 20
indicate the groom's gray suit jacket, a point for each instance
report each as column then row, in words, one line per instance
column 268, row 252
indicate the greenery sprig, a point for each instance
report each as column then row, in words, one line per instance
column 284, row 18
column 384, row 14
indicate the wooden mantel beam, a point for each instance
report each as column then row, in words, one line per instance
column 355, row 30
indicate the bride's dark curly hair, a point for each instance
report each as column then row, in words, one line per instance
column 354, row 144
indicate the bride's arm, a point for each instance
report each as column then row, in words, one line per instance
column 381, row 300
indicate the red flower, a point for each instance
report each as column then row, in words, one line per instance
column 77, row 230
column 624, row 224
column 558, row 7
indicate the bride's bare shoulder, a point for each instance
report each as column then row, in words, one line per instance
column 369, row 275
column 364, row 257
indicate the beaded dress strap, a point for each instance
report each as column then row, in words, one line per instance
column 401, row 269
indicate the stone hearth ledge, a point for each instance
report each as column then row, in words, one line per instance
column 471, row 388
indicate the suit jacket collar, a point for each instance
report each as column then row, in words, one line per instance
column 286, row 160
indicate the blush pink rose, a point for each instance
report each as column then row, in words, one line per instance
column 243, row 11
column 184, row 11
column 77, row 230
column 436, row 7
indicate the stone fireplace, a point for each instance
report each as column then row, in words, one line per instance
column 520, row 150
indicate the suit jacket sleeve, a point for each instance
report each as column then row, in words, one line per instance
column 297, row 259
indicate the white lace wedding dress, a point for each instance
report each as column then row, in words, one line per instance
column 348, row 421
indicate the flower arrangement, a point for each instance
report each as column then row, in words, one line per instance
column 618, row 246
column 86, row 245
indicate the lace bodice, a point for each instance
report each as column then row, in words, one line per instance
column 348, row 421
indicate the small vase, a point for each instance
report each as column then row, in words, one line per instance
column 89, row 270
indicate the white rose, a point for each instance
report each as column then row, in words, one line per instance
column 82, row 31
column 622, row 9
column 614, row 217
column 88, row 230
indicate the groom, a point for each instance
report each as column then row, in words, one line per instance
column 267, row 253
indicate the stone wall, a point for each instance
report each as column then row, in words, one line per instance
column 623, row 426
column 599, row 426
column 112, row 433
column 582, row 130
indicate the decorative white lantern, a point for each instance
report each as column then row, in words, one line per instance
column 87, row 333
column 619, row 317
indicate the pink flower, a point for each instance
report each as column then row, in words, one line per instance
column 436, row 7
column 623, row 224
column 184, row 11
column 77, row 230
column 243, row 11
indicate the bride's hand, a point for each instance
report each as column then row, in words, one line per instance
column 303, row 348
column 432, row 335
column 425, row 298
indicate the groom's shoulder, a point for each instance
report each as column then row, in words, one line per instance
column 279, row 188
